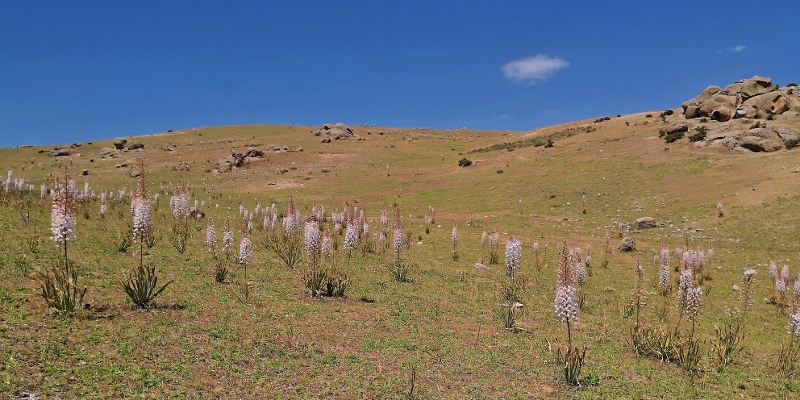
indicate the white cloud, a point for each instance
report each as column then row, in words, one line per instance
column 739, row 48
column 531, row 70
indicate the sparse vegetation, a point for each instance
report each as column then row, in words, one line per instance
column 433, row 317
column 700, row 135
column 674, row 136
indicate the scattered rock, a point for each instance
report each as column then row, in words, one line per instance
column 254, row 153
column 735, row 288
column 135, row 174
column 61, row 153
column 645, row 223
column 85, row 172
column 106, row 151
column 197, row 214
column 627, row 244
column 674, row 128
column 325, row 170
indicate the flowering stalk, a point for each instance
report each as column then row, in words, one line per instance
column 245, row 253
column 63, row 221
column 455, row 241
column 566, row 299
column 513, row 256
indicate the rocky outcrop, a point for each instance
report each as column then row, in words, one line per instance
column 338, row 131
column 235, row 160
column 757, row 138
column 119, row 143
column 134, row 145
column 691, row 108
column 757, row 97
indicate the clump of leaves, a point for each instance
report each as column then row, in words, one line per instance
column 511, row 292
column 124, row 239
column 220, row 270
column 180, row 235
column 571, row 359
column 141, row 286
column 59, row 288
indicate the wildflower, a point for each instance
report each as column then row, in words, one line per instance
column 179, row 202
column 142, row 218
column 292, row 222
column 398, row 231
column 794, row 323
column 694, row 300
column 513, row 255
column 580, row 272
column 566, row 303
column 327, row 246
column 351, row 236
column 780, row 286
column 103, row 205
column 312, row 239
column 785, row 274
column 685, row 282
column 227, row 234
column 245, row 250
column 63, row 222
column 773, row 270
column 211, row 234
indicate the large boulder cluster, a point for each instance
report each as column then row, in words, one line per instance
column 754, row 98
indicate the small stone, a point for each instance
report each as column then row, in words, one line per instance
column 735, row 288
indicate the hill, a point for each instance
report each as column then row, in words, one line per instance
column 438, row 336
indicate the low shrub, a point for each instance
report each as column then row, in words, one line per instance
column 674, row 136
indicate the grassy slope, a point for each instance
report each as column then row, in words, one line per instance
column 203, row 342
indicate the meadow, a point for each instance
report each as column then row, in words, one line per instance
column 443, row 331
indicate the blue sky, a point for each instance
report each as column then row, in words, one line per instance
column 82, row 71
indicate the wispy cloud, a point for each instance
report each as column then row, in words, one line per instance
column 532, row 70
column 738, row 48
